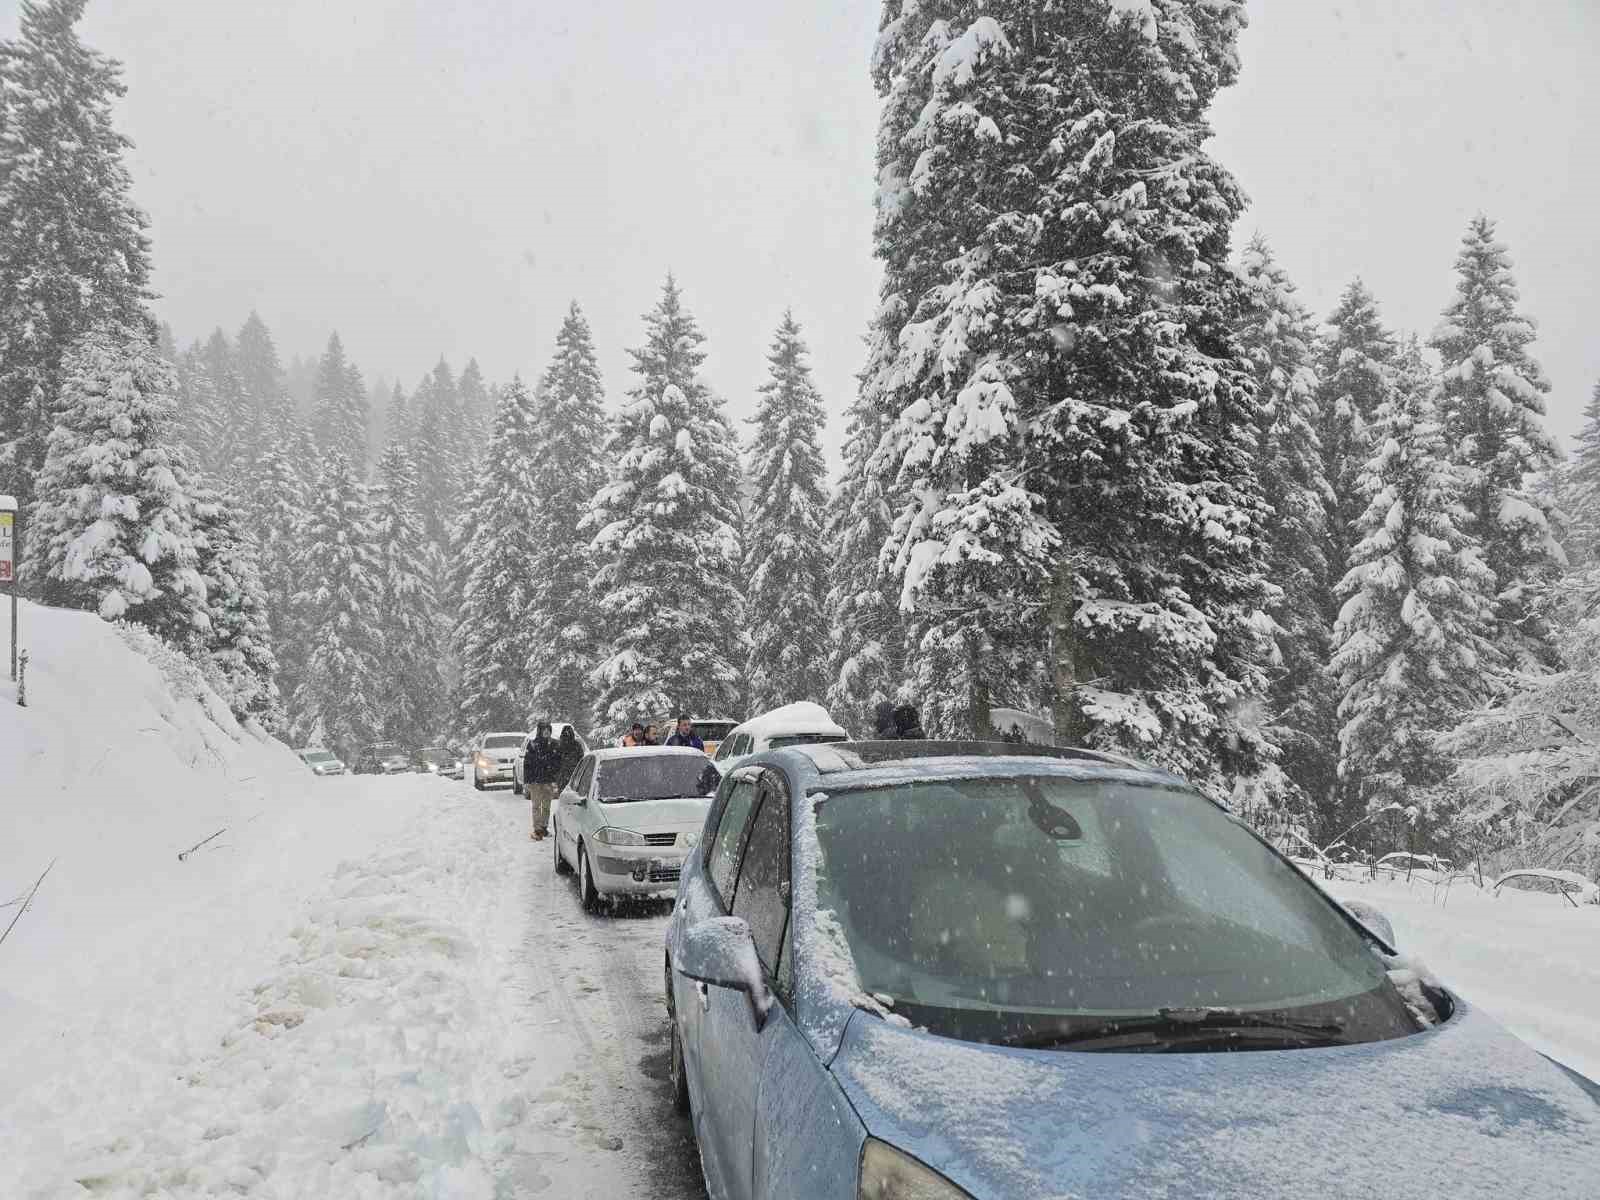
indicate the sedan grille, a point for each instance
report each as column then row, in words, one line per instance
column 665, row 874
column 660, row 839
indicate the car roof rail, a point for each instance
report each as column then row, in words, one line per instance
column 856, row 755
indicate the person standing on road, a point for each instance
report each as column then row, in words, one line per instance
column 883, row 722
column 634, row 736
column 908, row 724
column 571, row 753
column 540, row 768
column 650, row 738
column 684, row 735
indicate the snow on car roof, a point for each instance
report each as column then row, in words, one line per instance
column 837, row 757
column 802, row 716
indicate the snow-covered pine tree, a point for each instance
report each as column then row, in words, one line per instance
column 476, row 406
column 493, row 561
column 1056, row 237
column 436, row 411
column 264, row 404
column 231, row 407
column 1411, row 644
column 1580, row 487
column 201, row 419
column 398, row 421
column 667, row 538
column 74, row 255
column 239, row 643
column 340, row 418
column 786, row 563
column 408, row 609
column 338, row 701
column 1492, row 409
column 866, row 663
column 1279, row 336
column 1355, row 377
column 279, row 512
column 567, row 472
column 113, row 516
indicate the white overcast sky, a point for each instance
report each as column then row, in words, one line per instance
column 433, row 178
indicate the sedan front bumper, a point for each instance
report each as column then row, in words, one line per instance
column 629, row 870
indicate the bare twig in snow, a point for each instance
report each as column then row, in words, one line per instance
column 185, row 854
column 27, row 901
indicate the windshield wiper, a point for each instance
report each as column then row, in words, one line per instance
column 1183, row 1022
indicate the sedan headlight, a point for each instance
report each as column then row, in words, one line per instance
column 612, row 836
column 886, row 1174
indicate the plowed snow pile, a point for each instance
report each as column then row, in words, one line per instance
column 142, row 997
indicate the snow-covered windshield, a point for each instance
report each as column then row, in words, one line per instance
column 318, row 756
column 656, row 777
column 502, row 741
column 434, row 754
column 990, row 907
column 713, row 731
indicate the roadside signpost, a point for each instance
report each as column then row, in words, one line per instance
column 8, row 567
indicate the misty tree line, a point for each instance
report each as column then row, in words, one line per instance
column 1099, row 466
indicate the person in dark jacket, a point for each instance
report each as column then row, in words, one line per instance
column 541, row 765
column 883, row 722
column 907, row 724
column 571, row 752
column 684, row 735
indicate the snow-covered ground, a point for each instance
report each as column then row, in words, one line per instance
column 1530, row 959
column 367, row 987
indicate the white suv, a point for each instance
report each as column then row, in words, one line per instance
column 799, row 724
column 494, row 758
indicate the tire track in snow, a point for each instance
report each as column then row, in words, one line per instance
column 595, row 980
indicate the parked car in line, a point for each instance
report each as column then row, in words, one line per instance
column 628, row 817
column 453, row 766
column 383, row 758
column 977, row 971
column 802, row 723
column 555, row 734
column 494, row 756
column 321, row 762
column 432, row 760
column 710, row 730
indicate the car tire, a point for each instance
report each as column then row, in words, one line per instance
column 588, row 896
column 561, row 863
column 677, row 1070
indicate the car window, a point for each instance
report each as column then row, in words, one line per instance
column 580, row 777
column 805, row 739
column 759, row 896
column 725, row 750
column 645, row 776
column 723, row 861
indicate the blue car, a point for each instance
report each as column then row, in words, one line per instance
column 934, row 971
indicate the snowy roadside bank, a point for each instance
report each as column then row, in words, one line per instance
column 1532, row 961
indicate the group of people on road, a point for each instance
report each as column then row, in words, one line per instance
column 546, row 766
column 897, row 722
column 683, row 734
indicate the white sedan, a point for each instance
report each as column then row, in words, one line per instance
column 629, row 817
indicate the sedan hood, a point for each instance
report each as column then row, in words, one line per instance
column 644, row 816
column 1464, row 1111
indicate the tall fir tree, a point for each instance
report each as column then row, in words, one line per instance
column 230, row 407
column 74, row 255
column 201, row 420
column 264, row 405
column 497, row 542
column 867, row 648
column 667, row 538
column 1492, row 410
column 340, row 419
column 1411, row 644
column 436, row 411
column 1581, row 488
column 279, row 512
column 786, row 563
column 1279, row 336
column 399, row 421
column 1355, row 378
column 339, row 699
column 239, row 642
column 476, row 405
column 113, row 524
column 1071, row 418
column 567, row 472
column 412, row 689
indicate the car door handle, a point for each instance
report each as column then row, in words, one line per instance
column 705, row 996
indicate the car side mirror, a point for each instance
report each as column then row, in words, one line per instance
column 722, row 953
column 1373, row 919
